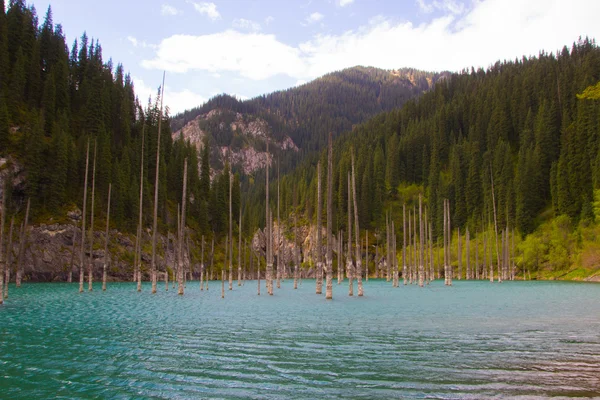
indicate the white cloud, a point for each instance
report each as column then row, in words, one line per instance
column 168, row 10
column 344, row 3
column 451, row 6
column 133, row 41
column 269, row 19
column 139, row 43
column 252, row 55
column 488, row 31
column 246, row 24
column 208, row 9
column 177, row 101
column 314, row 17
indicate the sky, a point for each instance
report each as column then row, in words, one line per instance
column 252, row 47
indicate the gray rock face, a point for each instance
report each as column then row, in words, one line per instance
column 248, row 156
column 48, row 254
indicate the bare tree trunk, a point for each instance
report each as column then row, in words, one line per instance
column 202, row 266
column 340, row 258
column 296, row 244
column 446, row 244
column 421, row 271
column 459, row 253
column 367, row 256
column 513, row 268
column 9, row 256
column 258, row 272
column 180, row 271
column 358, row 258
column 349, row 257
column 495, row 226
column 223, row 283
column 230, row 259
column 269, row 265
column 468, row 249
column 2, row 219
column 138, row 259
column 415, row 247
column 404, row 277
column 432, row 267
column 91, row 240
column 388, row 243
column 106, row 240
column 82, row 251
column 157, row 174
column 450, row 244
column 319, row 272
column 477, row 257
column 279, row 266
column 329, row 255
column 240, row 245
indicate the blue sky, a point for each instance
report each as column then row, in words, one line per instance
column 251, row 47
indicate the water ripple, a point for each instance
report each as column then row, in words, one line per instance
column 473, row 340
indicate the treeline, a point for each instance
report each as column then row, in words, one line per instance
column 54, row 100
column 519, row 124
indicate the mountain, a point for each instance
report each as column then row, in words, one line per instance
column 297, row 120
column 519, row 124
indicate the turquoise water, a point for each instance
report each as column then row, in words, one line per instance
column 471, row 340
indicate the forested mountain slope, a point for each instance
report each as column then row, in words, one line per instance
column 519, row 123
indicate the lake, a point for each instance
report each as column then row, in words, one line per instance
column 471, row 340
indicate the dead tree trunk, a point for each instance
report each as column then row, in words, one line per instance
column 82, row 250
column 357, row 234
column 157, row 173
column 91, row 259
column 329, row 255
column 180, row 270
column 319, row 272
column 367, row 256
column 468, row 249
column 495, row 226
column 349, row 268
column 202, row 266
column 279, row 264
column 340, row 265
column 9, row 257
column 459, row 252
column 138, row 259
column 421, row 270
column 106, row 240
column 2, row 267
column 240, row 245
column 230, row 259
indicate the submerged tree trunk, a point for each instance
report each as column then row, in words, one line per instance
column 329, row 255
column 202, row 266
column 468, row 255
column 138, row 259
column 83, row 214
column 421, row 270
column 459, row 253
column 367, row 256
column 340, row 258
column 180, row 270
column 349, row 257
column 495, row 226
column 279, row 263
column 156, row 182
column 240, row 247
column 91, row 240
column 9, row 257
column 2, row 260
column 230, row 259
column 319, row 272
column 106, row 240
